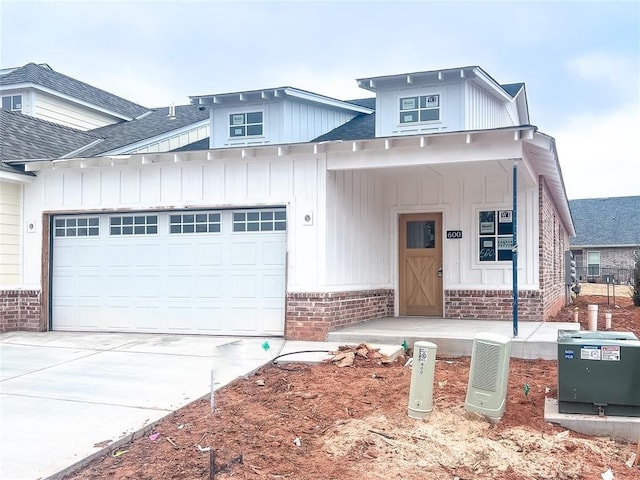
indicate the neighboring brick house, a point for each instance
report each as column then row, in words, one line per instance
column 306, row 213
column 607, row 238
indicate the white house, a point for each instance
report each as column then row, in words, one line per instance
column 308, row 213
column 46, row 115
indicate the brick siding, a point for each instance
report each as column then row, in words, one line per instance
column 20, row 310
column 553, row 242
column 311, row 316
column 492, row 305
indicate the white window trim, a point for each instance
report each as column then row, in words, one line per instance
column 12, row 109
column 243, row 137
column 589, row 274
column 427, row 122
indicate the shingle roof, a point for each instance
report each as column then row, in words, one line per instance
column 4, row 167
column 23, row 137
column 606, row 221
column 198, row 145
column 156, row 123
column 512, row 88
column 49, row 78
column 360, row 127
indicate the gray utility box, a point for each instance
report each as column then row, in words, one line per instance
column 598, row 373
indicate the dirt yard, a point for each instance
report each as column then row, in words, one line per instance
column 294, row 421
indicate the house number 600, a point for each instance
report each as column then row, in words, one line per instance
column 454, row 233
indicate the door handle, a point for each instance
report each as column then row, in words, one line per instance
column 440, row 272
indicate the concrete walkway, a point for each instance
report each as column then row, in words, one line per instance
column 67, row 397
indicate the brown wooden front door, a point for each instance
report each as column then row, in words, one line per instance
column 420, row 262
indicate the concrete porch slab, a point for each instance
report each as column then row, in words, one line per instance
column 454, row 338
column 619, row 428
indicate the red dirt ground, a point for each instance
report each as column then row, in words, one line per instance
column 295, row 421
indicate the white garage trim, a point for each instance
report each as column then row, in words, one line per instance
column 217, row 272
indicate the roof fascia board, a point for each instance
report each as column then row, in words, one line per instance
column 493, row 86
column 16, row 177
column 369, row 83
column 556, row 182
column 77, row 151
column 158, row 138
column 309, row 148
column 599, row 245
column 332, row 102
column 522, row 102
column 66, row 97
column 271, row 93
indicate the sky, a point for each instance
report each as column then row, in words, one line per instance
column 580, row 60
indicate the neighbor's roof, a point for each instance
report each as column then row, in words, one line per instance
column 23, row 137
column 45, row 76
column 602, row 222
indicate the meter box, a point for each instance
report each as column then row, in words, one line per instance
column 598, row 373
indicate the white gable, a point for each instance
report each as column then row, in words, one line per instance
column 444, row 100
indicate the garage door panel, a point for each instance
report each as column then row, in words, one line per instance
column 120, row 255
column 65, row 286
column 180, row 255
column 210, row 286
column 272, row 285
column 273, row 253
column 119, row 286
column 209, row 254
column 244, row 319
column 148, row 255
column 187, row 273
column 244, row 286
column 272, row 320
column 243, row 253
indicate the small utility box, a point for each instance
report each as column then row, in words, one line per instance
column 598, row 373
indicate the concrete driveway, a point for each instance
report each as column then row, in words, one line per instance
column 63, row 393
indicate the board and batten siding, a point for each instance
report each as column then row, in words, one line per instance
column 54, row 109
column 306, row 121
column 484, row 111
column 10, row 233
column 272, row 124
column 295, row 183
column 284, row 121
column 174, row 141
column 362, row 218
column 451, row 110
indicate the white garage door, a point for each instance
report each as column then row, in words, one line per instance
column 208, row 272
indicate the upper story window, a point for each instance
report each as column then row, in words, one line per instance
column 245, row 124
column 423, row 108
column 12, row 103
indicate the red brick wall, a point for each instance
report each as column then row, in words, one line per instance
column 492, row 305
column 311, row 316
column 553, row 242
column 20, row 310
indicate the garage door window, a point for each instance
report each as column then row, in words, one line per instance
column 77, row 227
column 260, row 220
column 194, row 223
column 133, row 225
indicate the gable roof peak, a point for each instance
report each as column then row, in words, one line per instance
column 44, row 76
